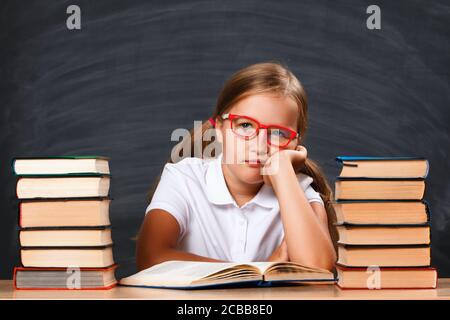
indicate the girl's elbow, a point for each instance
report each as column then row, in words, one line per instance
column 147, row 255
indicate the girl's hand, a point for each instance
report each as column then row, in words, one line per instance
column 280, row 253
column 296, row 157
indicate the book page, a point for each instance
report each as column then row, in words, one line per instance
column 292, row 272
column 264, row 266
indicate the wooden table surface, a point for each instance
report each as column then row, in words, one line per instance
column 302, row 292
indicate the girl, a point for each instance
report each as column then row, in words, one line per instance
column 260, row 199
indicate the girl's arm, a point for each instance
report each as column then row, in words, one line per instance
column 157, row 240
column 305, row 224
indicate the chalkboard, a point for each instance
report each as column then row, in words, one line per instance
column 137, row 70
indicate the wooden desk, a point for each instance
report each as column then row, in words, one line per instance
column 304, row 292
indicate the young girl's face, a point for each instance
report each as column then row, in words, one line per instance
column 240, row 155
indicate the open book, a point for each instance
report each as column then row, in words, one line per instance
column 192, row 274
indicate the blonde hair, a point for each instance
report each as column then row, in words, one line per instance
column 267, row 77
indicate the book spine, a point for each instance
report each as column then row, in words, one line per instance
column 69, row 247
column 65, row 175
column 64, row 157
column 70, row 289
column 396, row 288
column 364, row 268
column 372, row 158
column 15, row 278
column 379, row 178
column 17, row 187
column 368, row 225
column 13, row 166
column 427, row 209
column 113, row 266
column 60, row 228
column 67, row 199
column 427, row 170
column 369, row 246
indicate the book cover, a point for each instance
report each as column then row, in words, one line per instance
column 13, row 161
column 350, row 161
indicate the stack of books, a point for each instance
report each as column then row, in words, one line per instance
column 65, row 235
column 383, row 223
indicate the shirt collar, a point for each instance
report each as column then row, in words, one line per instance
column 217, row 191
column 216, row 187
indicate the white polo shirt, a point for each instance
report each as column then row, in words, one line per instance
column 211, row 223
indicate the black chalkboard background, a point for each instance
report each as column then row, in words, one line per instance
column 139, row 69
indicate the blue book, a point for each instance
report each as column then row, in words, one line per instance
column 176, row 274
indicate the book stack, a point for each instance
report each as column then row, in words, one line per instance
column 65, row 235
column 383, row 223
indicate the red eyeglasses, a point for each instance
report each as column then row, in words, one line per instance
column 248, row 128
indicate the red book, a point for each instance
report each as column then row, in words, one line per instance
column 386, row 278
column 64, row 278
